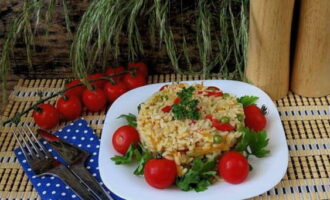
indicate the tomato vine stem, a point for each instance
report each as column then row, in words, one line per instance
column 16, row 118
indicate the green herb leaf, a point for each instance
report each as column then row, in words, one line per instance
column 142, row 160
column 140, row 154
column 187, row 108
column 127, row 158
column 130, row 118
column 253, row 143
column 247, row 100
column 199, row 176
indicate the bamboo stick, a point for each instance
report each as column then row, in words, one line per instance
column 269, row 45
column 311, row 66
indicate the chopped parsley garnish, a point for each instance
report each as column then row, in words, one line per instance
column 187, row 107
column 199, row 176
column 253, row 143
column 247, row 100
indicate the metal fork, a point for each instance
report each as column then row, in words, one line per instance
column 43, row 163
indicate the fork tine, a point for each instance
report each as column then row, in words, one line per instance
column 32, row 144
column 43, row 149
column 17, row 135
column 21, row 146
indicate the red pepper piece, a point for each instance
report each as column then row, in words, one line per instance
column 214, row 94
column 222, row 126
column 166, row 109
column 209, row 117
column 163, row 87
column 192, row 122
column 213, row 88
column 177, row 100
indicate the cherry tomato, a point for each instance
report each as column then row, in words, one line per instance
column 113, row 91
column 76, row 91
column 132, row 81
column 254, row 118
column 94, row 100
column 115, row 70
column 99, row 83
column 222, row 126
column 233, row 167
column 46, row 116
column 140, row 66
column 70, row 107
column 163, row 87
column 124, row 137
column 160, row 173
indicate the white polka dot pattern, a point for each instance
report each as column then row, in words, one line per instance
column 79, row 134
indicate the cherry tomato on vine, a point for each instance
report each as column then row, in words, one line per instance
column 124, row 137
column 70, row 107
column 160, row 173
column 115, row 70
column 134, row 80
column 233, row 167
column 99, row 83
column 140, row 66
column 94, row 100
column 113, row 91
column 76, row 91
column 46, row 116
column 254, row 118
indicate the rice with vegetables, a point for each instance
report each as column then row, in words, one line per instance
column 182, row 122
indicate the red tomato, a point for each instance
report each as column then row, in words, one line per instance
column 94, row 100
column 163, row 87
column 254, row 118
column 132, row 81
column 233, row 167
column 115, row 70
column 113, row 91
column 69, row 108
column 166, row 109
column 124, row 137
column 222, row 126
column 140, row 66
column 76, row 91
column 47, row 117
column 99, row 83
column 160, row 173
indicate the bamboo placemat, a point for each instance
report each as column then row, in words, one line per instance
column 306, row 122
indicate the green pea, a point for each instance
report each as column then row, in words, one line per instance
column 224, row 119
column 217, row 139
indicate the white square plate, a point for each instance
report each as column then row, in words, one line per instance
column 266, row 173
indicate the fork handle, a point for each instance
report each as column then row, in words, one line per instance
column 80, row 171
column 72, row 181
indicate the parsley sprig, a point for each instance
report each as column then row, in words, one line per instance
column 139, row 153
column 130, row 118
column 199, row 176
column 247, row 100
column 253, row 143
column 187, row 108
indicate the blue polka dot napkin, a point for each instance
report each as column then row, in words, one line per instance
column 79, row 134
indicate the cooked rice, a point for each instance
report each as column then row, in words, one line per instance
column 183, row 140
